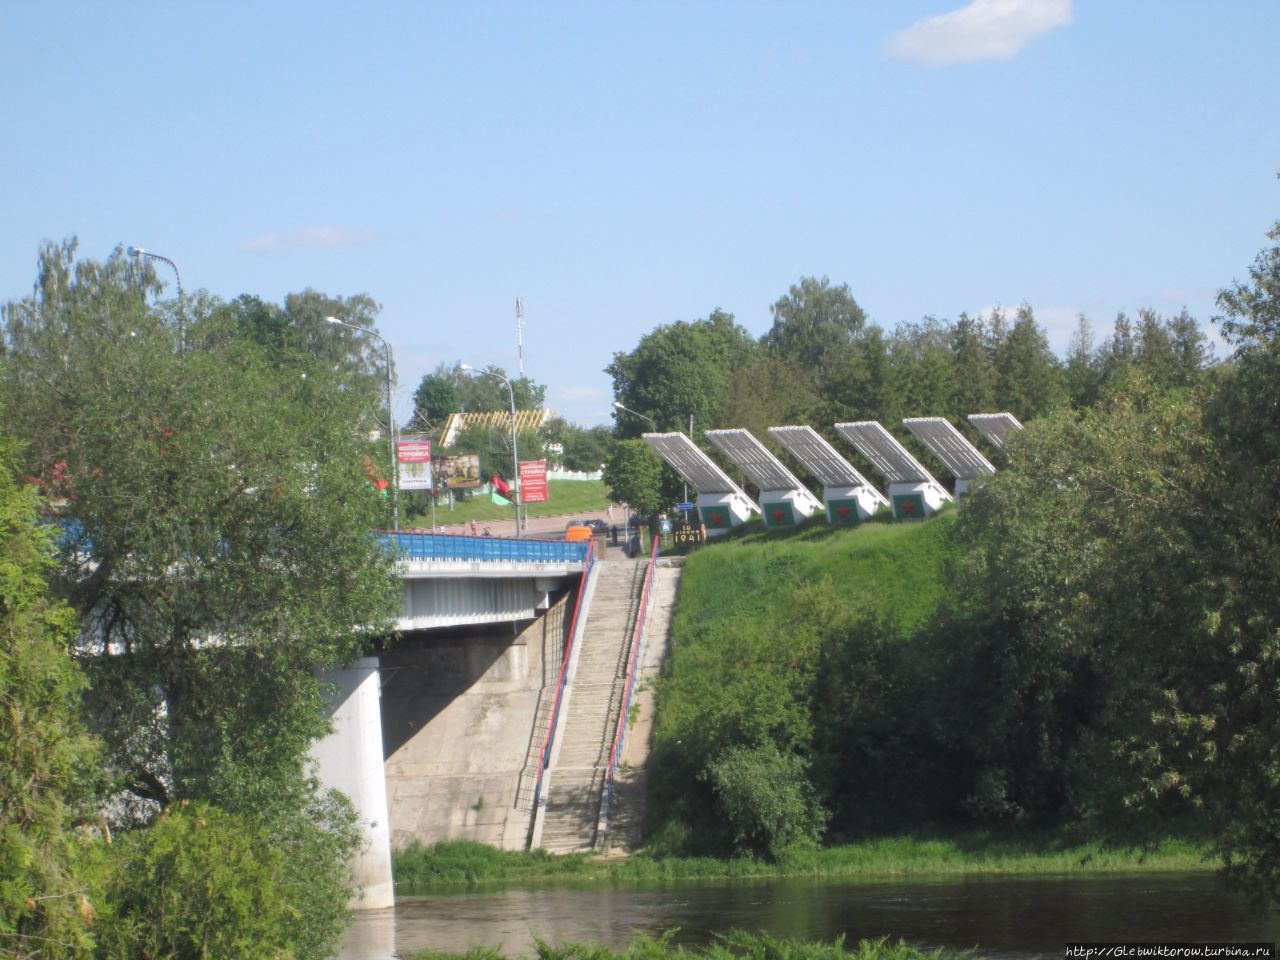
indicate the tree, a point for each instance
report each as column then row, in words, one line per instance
column 1081, row 375
column 1028, row 375
column 222, row 548
column 923, row 368
column 585, row 448
column 975, row 375
column 435, row 398
column 814, row 324
column 768, row 391
column 48, row 888
column 635, row 476
column 678, row 370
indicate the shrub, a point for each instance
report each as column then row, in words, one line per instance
column 766, row 798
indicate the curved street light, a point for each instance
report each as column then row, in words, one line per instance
column 515, row 457
column 635, row 414
column 139, row 252
column 391, row 417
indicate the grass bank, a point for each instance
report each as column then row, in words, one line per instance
column 564, row 497
column 731, row 945
column 951, row 853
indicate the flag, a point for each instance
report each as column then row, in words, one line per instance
column 502, row 486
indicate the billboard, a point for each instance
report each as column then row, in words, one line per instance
column 533, row 481
column 458, row 472
column 413, row 457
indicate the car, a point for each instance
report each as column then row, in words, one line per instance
column 598, row 525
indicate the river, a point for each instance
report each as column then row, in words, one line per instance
column 1004, row 917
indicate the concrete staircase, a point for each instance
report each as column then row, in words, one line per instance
column 598, row 684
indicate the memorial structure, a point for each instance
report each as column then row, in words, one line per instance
column 996, row 427
column 784, row 500
column 913, row 491
column 847, row 495
column 721, row 503
column 949, row 445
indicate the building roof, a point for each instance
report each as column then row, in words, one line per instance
column 497, row 420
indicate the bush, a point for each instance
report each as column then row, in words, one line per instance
column 766, row 798
column 203, row 883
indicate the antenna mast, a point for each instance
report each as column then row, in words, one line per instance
column 520, row 333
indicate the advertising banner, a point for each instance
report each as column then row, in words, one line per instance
column 413, row 456
column 533, row 481
column 460, row 471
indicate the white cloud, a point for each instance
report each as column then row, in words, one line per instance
column 984, row 30
column 309, row 237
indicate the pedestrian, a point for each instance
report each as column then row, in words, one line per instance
column 473, row 528
column 487, row 532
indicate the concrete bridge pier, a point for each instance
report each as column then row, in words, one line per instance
column 350, row 760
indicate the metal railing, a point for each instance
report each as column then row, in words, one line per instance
column 633, row 657
column 544, row 755
column 452, row 547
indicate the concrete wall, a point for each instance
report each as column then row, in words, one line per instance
column 458, row 709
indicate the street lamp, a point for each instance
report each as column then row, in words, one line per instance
column 635, row 414
column 139, row 252
column 515, row 457
column 391, row 417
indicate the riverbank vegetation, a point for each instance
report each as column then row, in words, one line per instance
column 1092, row 639
column 969, row 851
column 735, row 945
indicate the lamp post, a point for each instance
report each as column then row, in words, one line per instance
column 391, row 417
column 619, row 406
column 139, row 252
column 515, row 456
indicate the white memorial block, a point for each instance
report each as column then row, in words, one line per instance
column 784, row 500
column 846, row 493
column 721, row 503
column 913, row 491
column 949, row 445
column 996, row 427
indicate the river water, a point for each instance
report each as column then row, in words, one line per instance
column 1005, row 917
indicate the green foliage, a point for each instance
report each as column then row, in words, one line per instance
column 766, row 798
column 435, row 398
column 735, row 945
column 200, row 883
column 48, row 872
column 221, row 551
column 760, row 620
column 813, row 324
column 921, row 853
column 678, row 370
column 634, row 475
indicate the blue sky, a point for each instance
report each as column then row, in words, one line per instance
column 619, row 166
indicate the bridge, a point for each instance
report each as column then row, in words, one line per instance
column 459, row 728
column 451, row 580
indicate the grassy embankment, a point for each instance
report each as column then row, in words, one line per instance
column 893, row 569
column 564, row 498
column 732, row 946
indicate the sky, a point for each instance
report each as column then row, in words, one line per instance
column 623, row 165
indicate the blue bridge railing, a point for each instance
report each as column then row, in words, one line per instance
column 444, row 546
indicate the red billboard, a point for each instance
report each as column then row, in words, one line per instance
column 533, row 481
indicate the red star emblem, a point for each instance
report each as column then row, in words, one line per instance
column 717, row 518
column 908, row 506
column 779, row 515
column 843, row 511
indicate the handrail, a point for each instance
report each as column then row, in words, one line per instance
column 445, row 546
column 620, row 732
column 544, row 755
